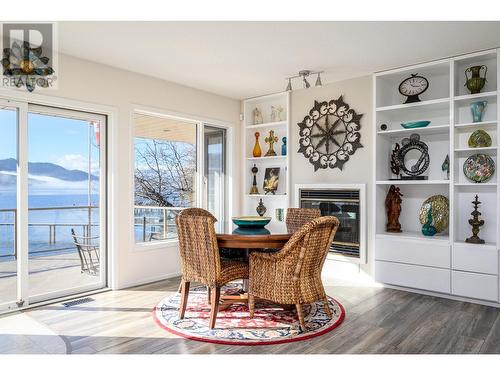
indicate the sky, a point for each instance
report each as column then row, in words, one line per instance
column 51, row 139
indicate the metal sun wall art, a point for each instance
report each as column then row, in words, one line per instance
column 330, row 134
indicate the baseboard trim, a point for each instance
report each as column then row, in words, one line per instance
column 441, row 295
column 148, row 280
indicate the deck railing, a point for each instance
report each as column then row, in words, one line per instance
column 151, row 223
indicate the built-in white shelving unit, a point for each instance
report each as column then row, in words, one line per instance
column 444, row 264
column 281, row 129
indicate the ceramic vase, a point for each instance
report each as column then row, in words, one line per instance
column 473, row 80
column 283, row 146
column 257, row 152
column 261, row 209
column 477, row 109
column 428, row 229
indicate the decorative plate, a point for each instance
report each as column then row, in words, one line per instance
column 479, row 139
column 415, row 124
column 251, row 221
column 440, row 212
column 479, row 168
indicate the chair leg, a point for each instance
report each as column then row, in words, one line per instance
column 184, row 298
column 180, row 287
column 251, row 305
column 326, row 307
column 300, row 313
column 215, row 295
column 209, row 292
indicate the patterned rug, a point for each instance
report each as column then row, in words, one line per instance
column 272, row 323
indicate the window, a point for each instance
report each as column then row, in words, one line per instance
column 165, row 174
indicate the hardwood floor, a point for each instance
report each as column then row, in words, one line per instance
column 377, row 320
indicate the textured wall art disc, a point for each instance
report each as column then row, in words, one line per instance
column 330, row 134
column 440, row 206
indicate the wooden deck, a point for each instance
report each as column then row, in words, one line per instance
column 48, row 273
column 377, row 320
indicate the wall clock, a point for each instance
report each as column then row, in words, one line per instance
column 330, row 134
column 412, row 87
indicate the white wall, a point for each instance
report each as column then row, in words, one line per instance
column 358, row 94
column 100, row 84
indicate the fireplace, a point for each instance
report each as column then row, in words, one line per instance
column 345, row 202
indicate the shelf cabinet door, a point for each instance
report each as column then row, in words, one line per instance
column 418, row 277
column 423, row 252
column 474, row 285
column 475, row 258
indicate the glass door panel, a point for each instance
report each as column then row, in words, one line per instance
column 215, row 164
column 8, row 206
column 65, row 202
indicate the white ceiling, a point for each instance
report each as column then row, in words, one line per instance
column 245, row 59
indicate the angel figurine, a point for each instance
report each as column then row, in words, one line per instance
column 257, row 116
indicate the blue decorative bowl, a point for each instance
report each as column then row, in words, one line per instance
column 415, row 124
column 251, row 221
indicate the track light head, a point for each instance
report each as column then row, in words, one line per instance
column 318, row 80
column 289, row 86
column 306, row 84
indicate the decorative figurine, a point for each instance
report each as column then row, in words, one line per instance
column 257, row 116
column 393, row 208
column 257, row 152
column 274, row 114
column 475, row 82
column 279, row 113
column 283, row 146
column 428, row 229
column 413, row 172
column 475, row 222
column 445, row 167
column 271, row 139
column 261, row 209
column 271, row 179
column 254, row 189
column 478, row 108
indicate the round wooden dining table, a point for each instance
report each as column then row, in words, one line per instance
column 273, row 236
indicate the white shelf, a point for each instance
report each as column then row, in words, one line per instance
column 413, row 235
column 476, row 184
column 275, row 158
column 475, row 96
column 474, row 125
column 438, row 129
column 413, row 182
column 479, row 245
column 477, row 150
column 413, row 105
column 265, row 195
column 267, row 125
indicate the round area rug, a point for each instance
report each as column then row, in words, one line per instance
column 272, row 324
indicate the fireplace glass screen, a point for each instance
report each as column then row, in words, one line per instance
column 344, row 205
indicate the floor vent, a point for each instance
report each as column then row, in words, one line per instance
column 77, row 302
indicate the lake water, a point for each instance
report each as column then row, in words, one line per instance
column 39, row 220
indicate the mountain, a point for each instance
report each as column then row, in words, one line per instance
column 47, row 170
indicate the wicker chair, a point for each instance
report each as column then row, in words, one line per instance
column 297, row 217
column 293, row 275
column 200, row 259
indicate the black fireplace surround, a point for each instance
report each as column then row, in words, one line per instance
column 344, row 205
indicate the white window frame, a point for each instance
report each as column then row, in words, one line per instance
column 200, row 122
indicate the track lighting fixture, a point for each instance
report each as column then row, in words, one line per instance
column 303, row 74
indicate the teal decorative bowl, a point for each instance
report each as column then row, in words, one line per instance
column 251, row 221
column 415, row 124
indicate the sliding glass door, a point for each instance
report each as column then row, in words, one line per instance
column 52, row 203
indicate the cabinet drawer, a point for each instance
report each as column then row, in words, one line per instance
column 424, row 253
column 475, row 258
column 419, row 277
column 474, row 285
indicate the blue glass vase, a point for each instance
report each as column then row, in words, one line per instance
column 477, row 109
column 283, row 146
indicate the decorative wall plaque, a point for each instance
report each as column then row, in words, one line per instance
column 330, row 134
